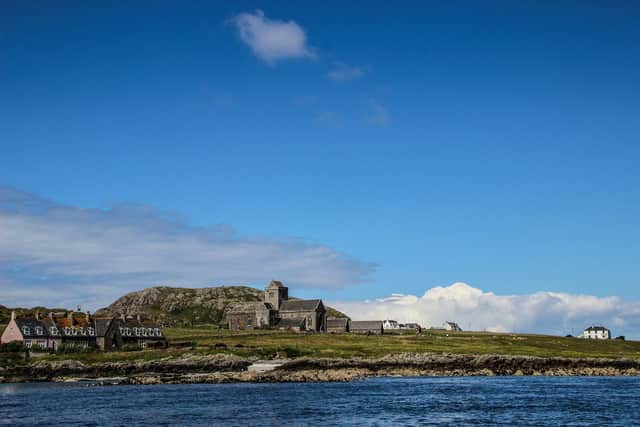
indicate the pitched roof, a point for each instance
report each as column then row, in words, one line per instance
column 300, row 305
column 243, row 307
column 102, row 326
column 249, row 307
column 365, row 324
column 31, row 323
column 596, row 328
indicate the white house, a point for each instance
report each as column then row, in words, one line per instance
column 597, row 333
column 451, row 326
column 390, row 324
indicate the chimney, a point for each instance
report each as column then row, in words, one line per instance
column 37, row 315
column 138, row 317
column 87, row 316
column 13, row 315
column 51, row 316
column 70, row 317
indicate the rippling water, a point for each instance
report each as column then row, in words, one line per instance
column 389, row 401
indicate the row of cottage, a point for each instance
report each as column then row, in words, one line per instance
column 78, row 329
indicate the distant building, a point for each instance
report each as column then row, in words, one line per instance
column 337, row 325
column 451, row 326
column 279, row 312
column 369, row 327
column 597, row 333
column 413, row 326
column 390, row 325
column 79, row 329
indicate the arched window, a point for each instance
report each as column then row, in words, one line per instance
column 91, row 331
column 26, row 330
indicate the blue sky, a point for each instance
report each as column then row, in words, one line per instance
column 422, row 145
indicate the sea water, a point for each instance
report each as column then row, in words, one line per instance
column 459, row 401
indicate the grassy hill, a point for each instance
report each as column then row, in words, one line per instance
column 186, row 306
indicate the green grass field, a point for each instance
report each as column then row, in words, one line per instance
column 351, row 345
column 265, row 344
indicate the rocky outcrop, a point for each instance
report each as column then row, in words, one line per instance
column 222, row 368
column 186, row 364
column 185, row 306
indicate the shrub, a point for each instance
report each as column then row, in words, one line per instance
column 131, row 347
column 12, row 347
column 70, row 348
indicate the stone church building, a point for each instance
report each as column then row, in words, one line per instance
column 277, row 311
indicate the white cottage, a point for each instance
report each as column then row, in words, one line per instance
column 597, row 333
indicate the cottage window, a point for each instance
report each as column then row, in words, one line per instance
column 121, row 330
column 67, row 330
column 82, row 331
column 27, row 343
column 144, row 331
column 26, row 331
column 157, row 332
column 90, row 331
column 53, row 330
column 128, row 332
column 39, row 330
column 74, row 331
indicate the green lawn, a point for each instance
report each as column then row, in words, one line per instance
column 349, row 345
column 264, row 344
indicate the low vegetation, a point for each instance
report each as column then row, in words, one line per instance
column 210, row 339
column 352, row 345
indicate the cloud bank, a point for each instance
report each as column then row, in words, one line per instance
column 272, row 40
column 63, row 255
column 474, row 309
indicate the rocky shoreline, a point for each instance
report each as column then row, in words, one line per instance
column 223, row 368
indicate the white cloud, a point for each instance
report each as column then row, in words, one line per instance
column 542, row 312
column 343, row 72
column 91, row 256
column 378, row 114
column 272, row 40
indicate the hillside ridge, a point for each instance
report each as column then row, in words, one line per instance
column 174, row 306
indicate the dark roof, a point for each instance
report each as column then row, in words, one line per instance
column 31, row 323
column 596, row 328
column 244, row 307
column 291, row 323
column 300, row 305
column 102, row 326
column 365, row 324
column 78, row 330
column 337, row 322
column 140, row 328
